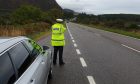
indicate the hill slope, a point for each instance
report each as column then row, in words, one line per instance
column 9, row 5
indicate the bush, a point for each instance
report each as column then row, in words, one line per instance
column 31, row 14
column 5, row 20
column 46, row 18
column 135, row 26
column 26, row 14
column 131, row 26
column 54, row 14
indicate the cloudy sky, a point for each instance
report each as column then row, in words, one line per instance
column 102, row 6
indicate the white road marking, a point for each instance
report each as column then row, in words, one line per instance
column 130, row 48
column 68, row 30
column 91, row 80
column 83, row 62
column 73, row 41
column 72, row 38
column 75, row 45
column 70, row 35
column 67, row 27
column 78, row 51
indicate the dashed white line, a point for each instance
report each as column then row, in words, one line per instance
column 130, row 48
column 78, row 51
column 75, row 45
column 83, row 62
column 73, row 41
column 71, row 37
column 91, row 80
column 68, row 30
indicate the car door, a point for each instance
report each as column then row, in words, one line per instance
column 48, row 53
column 40, row 75
column 38, row 71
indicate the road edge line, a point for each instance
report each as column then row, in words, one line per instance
column 130, row 48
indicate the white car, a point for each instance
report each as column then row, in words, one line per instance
column 23, row 61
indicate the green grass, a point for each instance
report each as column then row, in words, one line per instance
column 119, row 31
column 123, row 32
column 39, row 35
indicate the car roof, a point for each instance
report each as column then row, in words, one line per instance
column 6, row 42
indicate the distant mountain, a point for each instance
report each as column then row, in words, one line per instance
column 10, row 5
column 68, row 10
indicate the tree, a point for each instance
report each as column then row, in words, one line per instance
column 55, row 13
column 26, row 14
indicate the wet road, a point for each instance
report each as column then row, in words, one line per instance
column 95, row 56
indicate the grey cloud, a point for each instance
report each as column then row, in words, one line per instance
column 102, row 6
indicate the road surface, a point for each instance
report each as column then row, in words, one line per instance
column 95, row 56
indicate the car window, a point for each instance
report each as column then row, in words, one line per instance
column 36, row 46
column 22, row 57
column 6, row 70
column 34, row 51
column 18, row 53
column 28, row 45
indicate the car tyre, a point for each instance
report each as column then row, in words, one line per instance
column 50, row 74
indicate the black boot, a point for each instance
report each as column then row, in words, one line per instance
column 61, row 63
column 54, row 63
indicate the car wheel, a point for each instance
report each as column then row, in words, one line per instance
column 50, row 74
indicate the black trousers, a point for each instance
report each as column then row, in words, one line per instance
column 58, row 49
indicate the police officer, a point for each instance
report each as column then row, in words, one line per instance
column 58, row 40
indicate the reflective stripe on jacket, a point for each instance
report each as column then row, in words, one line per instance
column 58, row 38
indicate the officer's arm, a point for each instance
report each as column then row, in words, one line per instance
column 63, row 29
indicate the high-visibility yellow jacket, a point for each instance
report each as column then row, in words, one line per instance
column 58, row 38
column 36, row 46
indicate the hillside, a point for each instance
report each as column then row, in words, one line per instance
column 68, row 10
column 124, row 17
column 10, row 5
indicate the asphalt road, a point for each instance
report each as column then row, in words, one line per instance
column 95, row 56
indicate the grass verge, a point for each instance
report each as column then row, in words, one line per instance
column 39, row 35
column 117, row 30
column 31, row 30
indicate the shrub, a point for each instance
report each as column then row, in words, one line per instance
column 55, row 13
column 26, row 14
column 131, row 26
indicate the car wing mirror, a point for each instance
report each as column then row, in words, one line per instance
column 45, row 47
